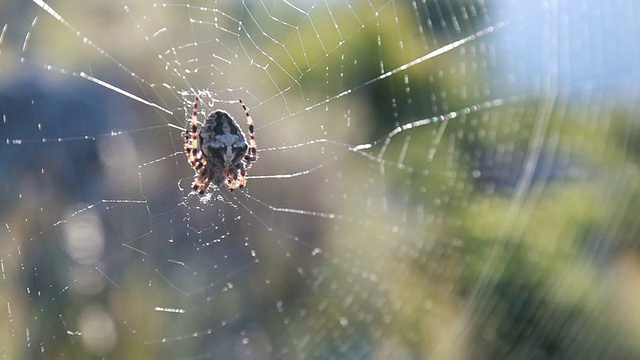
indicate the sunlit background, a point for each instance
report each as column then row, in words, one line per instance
column 436, row 180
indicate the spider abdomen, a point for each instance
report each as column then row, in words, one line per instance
column 222, row 139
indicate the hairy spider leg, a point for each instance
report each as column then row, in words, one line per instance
column 252, row 154
column 192, row 149
column 243, row 178
column 202, row 178
column 232, row 180
column 196, row 160
column 205, row 185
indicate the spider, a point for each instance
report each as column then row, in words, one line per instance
column 219, row 151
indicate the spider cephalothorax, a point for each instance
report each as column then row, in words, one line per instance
column 219, row 151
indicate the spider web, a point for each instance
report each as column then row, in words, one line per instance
column 436, row 179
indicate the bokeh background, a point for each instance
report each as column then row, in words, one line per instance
column 436, row 180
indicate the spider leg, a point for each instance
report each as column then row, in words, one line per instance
column 197, row 183
column 201, row 183
column 232, row 180
column 243, row 178
column 191, row 145
column 252, row 153
column 205, row 185
column 236, row 178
